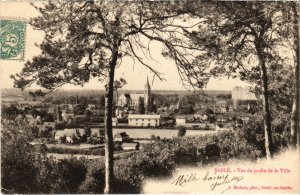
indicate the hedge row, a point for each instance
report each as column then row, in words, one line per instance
column 94, row 151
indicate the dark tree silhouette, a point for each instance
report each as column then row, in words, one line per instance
column 290, row 31
column 181, row 131
column 240, row 40
column 102, row 101
column 88, row 39
column 141, row 106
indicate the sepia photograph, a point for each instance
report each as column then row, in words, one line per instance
column 149, row 97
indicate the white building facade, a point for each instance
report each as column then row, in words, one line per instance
column 143, row 120
column 241, row 93
column 180, row 121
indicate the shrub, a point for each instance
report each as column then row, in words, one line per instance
column 94, row 180
column 94, row 151
column 60, row 125
column 128, row 176
column 62, row 139
column 154, row 160
column 185, row 155
column 253, row 133
column 152, row 137
column 220, row 125
column 181, row 131
column 72, row 172
column 212, row 152
column 18, row 162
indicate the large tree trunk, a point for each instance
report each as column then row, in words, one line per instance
column 295, row 108
column 109, row 144
column 266, row 107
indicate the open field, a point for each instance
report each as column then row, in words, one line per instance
column 162, row 133
column 75, row 146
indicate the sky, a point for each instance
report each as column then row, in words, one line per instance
column 134, row 73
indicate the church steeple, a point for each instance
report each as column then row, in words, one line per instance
column 147, row 95
column 147, row 86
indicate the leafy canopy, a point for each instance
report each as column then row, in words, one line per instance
column 87, row 39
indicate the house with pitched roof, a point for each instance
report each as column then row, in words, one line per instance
column 72, row 135
column 130, row 146
column 121, row 137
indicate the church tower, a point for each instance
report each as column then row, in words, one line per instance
column 147, row 96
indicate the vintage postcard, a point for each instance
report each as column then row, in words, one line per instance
column 149, row 97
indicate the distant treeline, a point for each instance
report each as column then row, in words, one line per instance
column 91, row 92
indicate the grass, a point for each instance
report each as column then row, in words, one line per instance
column 77, row 146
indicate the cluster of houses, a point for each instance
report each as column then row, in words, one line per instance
column 223, row 110
column 220, row 118
column 76, row 135
column 224, row 114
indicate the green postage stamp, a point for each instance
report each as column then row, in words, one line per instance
column 12, row 39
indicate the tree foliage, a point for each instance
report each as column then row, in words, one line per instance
column 10, row 112
column 81, row 38
column 244, row 39
column 88, row 39
column 155, row 160
column 85, row 40
column 17, row 155
column 141, row 106
column 181, row 131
